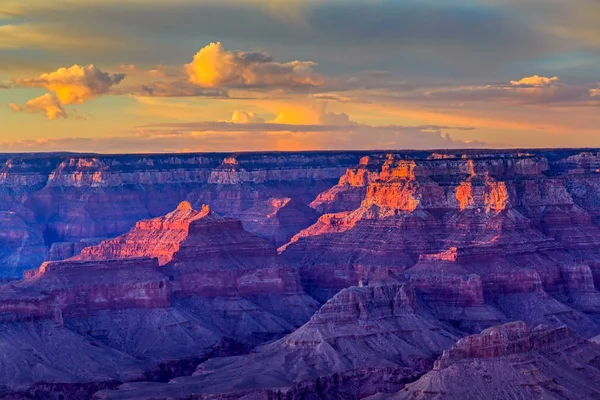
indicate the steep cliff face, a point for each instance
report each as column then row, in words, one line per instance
column 511, row 361
column 364, row 338
column 185, row 254
column 156, row 238
column 75, row 198
column 351, row 188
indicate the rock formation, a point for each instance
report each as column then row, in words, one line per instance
column 156, row 238
column 484, row 239
column 67, row 198
column 351, row 188
column 174, row 290
column 362, row 339
column 278, row 219
column 511, row 361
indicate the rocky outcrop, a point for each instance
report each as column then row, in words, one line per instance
column 511, row 361
column 156, row 238
column 172, row 292
column 366, row 337
column 68, row 198
column 351, row 188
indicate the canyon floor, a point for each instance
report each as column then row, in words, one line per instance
column 450, row 274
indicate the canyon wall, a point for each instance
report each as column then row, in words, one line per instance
column 345, row 274
column 52, row 206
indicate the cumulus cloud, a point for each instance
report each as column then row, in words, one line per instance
column 75, row 84
column 245, row 117
column 595, row 92
column 536, row 81
column 213, row 66
column 46, row 104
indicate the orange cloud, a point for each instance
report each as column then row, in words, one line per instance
column 303, row 114
column 244, row 117
column 76, row 84
column 46, row 104
column 535, row 81
column 213, row 66
column 595, row 92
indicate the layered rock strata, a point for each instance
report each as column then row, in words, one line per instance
column 478, row 235
column 176, row 289
column 511, row 361
column 58, row 198
column 363, row 339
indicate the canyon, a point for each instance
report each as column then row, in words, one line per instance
column 304, row 275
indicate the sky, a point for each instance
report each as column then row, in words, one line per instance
column 137, row 76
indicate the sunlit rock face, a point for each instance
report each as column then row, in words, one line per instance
column 156, row 238
column 351, row 188
column 484, row 238
column 171, row 292
column 74, row 199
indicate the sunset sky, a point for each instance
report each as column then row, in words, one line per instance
column 246, row 75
